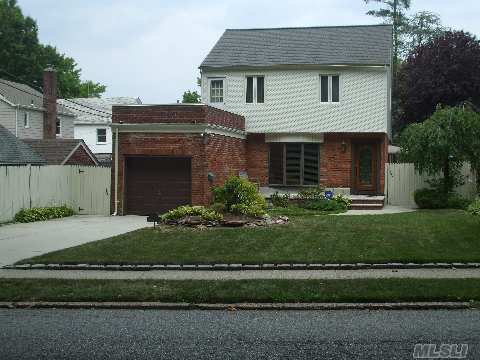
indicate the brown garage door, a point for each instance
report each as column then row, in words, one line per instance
column 157, row 184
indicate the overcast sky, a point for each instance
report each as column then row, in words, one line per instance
column 152, row 49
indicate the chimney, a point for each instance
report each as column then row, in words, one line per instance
column 50, row 103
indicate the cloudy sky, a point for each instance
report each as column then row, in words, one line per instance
column 152, row 48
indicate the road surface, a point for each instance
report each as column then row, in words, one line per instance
column 152, row 334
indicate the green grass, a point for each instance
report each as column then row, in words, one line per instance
column 423, row 236
column 230, row 291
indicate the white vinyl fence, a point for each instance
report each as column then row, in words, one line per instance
column 86, row 189
column 401, row 181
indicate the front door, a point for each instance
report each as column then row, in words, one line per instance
column 365, row 174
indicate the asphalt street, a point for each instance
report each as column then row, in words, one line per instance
column 153, row 334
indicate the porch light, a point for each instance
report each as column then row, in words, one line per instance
column 344, row 146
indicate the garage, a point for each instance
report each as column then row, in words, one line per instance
column 156, row 184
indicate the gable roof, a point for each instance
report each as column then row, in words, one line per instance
column 14, row 151
column 96, row 110
column 330, row 45
column 58, row 151
column 26, row 96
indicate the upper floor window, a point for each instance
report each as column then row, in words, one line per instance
column 26, row 120
column 58, row 127
column 216, row 90
column 255, row 92
column 101, row 136
column 329, row 88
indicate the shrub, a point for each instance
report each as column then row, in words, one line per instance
column 218, row 207
column 182, row 211
column 474, row 207
column 240, row 196
column 324, row 205
column 280, row 200
column 42, row 214
column 316, row 193
column 436, row 199
column 343, row 200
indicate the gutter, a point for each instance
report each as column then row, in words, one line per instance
column 16, row 121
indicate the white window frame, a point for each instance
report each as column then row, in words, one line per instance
column 330, row 75
column 26, row 120
column 255, row 77
column 59, row 127
column 101, row 142
column 210, row 90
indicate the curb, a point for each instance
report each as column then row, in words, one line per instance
column 239, row 306
column 237, row 267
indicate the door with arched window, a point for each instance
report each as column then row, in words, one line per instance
column 365, row 168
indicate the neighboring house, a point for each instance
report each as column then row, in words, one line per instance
column 14, row 151
column 22, row 112
column 287, row 108
column 93, row 120
column 41, row 121
column 63, row 151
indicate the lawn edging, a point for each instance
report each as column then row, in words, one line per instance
column 243, row 267
column 451, row 305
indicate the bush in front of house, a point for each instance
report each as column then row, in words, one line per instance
column 311, row 194
column 42, row 214
column 474, row 207
column 187, row 210
column 314, row 199
column 433, row 198
column 279, row 200
column 240, row 196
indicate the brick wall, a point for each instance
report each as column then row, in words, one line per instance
column 177, row 114
column 80, row 157
column 257, row 159
column 336, row 164
column 221, row 155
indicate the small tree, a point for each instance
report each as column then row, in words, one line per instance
column 191, row 97
column 470, row 141
column 436, row 146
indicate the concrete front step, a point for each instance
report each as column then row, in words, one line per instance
column 361, row 206
column 365, row 202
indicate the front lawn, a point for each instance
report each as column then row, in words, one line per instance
column 232, row 291
column 422, row 236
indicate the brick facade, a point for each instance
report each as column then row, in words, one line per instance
column 257, row 159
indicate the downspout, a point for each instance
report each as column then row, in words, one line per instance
column 115, row 213
column 16, row 121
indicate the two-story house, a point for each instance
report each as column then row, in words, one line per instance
column 287, row 108
column 41, row 123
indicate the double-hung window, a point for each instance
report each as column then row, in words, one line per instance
column 294, row 163
column 101, row 136
column 216, row 90
column 26, row 120
column 329, row 88
column 255, row 90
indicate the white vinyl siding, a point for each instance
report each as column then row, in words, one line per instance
column 88, row 132
column 294, row 105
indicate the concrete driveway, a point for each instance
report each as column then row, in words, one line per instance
column 20, row 241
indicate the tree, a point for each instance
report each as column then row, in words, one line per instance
column 191, row 97
column 421, row 28
column 444, row 71
column 89, row 89
column 23, row 58
column 436, row 145
column 394, row 12
column 470, row 140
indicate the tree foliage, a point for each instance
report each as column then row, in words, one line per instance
column 191, row 97
column 23, row 58
column 442, row 143
column 444, row 71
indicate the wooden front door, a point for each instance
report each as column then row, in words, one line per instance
column 365, row 168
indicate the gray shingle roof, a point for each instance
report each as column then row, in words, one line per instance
column 14, row 151
column 339, row 45
column 54, row 151
column 96, row 110
column 24, row 95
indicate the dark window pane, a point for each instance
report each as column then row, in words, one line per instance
column 310, row 164
column 293, row 163
column 260, row 89
column 335, row 89
column 324, row 88
column 249, row 89
column 276, row 164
